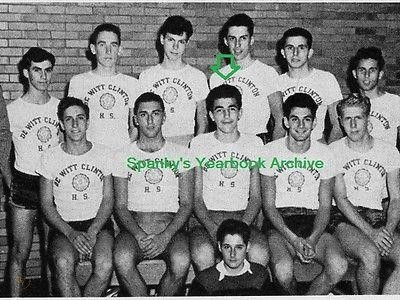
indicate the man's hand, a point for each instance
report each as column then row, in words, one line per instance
column 92, row 237
column 142, row 240
column 383, row 239
column 81, row 242
column 304, row 250
column 157, row 244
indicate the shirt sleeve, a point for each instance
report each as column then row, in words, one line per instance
column 330, row 168
column 272, row 81
column 202, row 87
column 44, row 167
column 134, row 91
column 75, row 88
column 333, row 90
column 121, row 164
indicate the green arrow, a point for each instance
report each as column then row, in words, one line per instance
column 216, row 68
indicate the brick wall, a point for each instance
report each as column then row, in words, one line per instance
column 63, row 29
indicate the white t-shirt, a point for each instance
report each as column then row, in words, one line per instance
column 385, row 117
column 77, row 180
column 255, row 83
column 225, row 188
column 322, row 86
column 109, row 99
column 180, row 91
column 152, row 188
column 365, row 173
column 34, row 129
column 297, row 184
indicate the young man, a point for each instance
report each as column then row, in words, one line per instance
column 297, row 187
column 322, row 86
column 370, row 172
column 367, row 69
column 234, row 275
column 153, row 187
column 227, row 185
column 77, row 201
column 182, row 87
column 34, row 127
column 108, row 93
column 255, row 80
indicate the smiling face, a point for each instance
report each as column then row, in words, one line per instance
column 239, row 42
column 296, row 52
column 226, row 114
column 106, row 49
column 367, row 74
column 174, row 45
column 233, row 250
column 300, row 123
column 39, row 75
column 354, row 122
column 74, row 123
column 149, row 118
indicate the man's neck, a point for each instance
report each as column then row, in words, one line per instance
column 105, row 71
column 234, row 272
column 76, row 147
column 245, row 62
column 172, row 64
column 230, row 137
column 37, row 97
column 299, row 73
column 147, row 144
column 298, row 146
column 362, row 145
column 372, row 94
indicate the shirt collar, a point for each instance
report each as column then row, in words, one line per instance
column 223, row 272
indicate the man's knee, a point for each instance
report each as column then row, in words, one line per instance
column 370, row 257
column 259, row 250
column 64, row 262
column 283, row 270
column 336, row 268
column 124, row 258
column 104, row 266
column 180, row 263
column 203, row 255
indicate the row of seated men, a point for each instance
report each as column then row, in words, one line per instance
column 228, row 173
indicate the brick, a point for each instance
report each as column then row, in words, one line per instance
column 78, row 27
column 3, row 8
column 51, row 43
column 51, row 9
column 22, row 26
column 78, row 10
column 63, row 18
column 91, row 19
column 64, row 35
column 118, row 19
column 106, row 11
column 132, row 11
column 26, row 9
column 10, row 17
column 3, row 25
column 76, row 43
column 365, row 31
column 36, row 34
column 10, row 52
column 35, row 18
column 51, row 26
column 23, row 43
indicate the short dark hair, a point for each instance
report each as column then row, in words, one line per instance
column 369, row 52
column 68, row 102
column 232, row 226
column 105, row 27
column 223, row 91
column 238, row 20
column 354, row 100
column 297, row 31
column 176, row 25
column 36, row 54
column 148, row 97
column 299, row 100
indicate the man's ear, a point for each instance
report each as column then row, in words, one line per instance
column 62, row 126
column 252, row 41
column 354, row 72
column 225, row 41
column 310, row 53
column 240, row 113
column 283, row 53
column 162, row 39
column 120, row 50
column 92, row 49
column 219, row 247
column 380, row 74
column 286, row 122
column 248, row 247
column 211, row 115
column 25, row 73
column 135, row 121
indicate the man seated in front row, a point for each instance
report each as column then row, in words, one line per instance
column 153, row 202
column 297, row 188
column 370, row 172
column 77, row 175
column 233, row 275
column 230, row 190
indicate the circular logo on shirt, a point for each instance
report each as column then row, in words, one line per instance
column 296, row 179
column 44, row 134
column 240, row 89
column 153, row 176
column 370, row 127
column 107, row 101
column 170, row 95
column 362, row 177
column 229, row 172
column 80, row 182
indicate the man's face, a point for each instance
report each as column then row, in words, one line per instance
column 233, row 250
column 300, row 123
column 75, row 123
column 239, row 41
column 367, row 74
column 296, row 52
column 226, row 114
column 106, row 49
column 174, row 45
column 39, row 75
column 149, row 118
column 355, row 123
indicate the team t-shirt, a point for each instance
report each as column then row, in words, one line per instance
column 365, row 173
column 385, row 117
column 225, row 187
column 297, row 182
column 255, row 83
column 322, row 86
column 180, row 90
column 109, row 99
column 153, row 187
column 34, row 129
column 77, row 180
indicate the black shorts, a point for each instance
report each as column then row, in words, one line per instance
column 25, row 191
column 299, row 220
column 374, row 217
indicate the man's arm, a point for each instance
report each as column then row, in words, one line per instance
column 275, row 104
column 393, row 214
column 336, row 132
column 254, row 204
column 160, row 241
column 105, row 209
column 80, row 240
column 5, row 142
column 200, row 208
column 201, row 117
column 133, row 132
